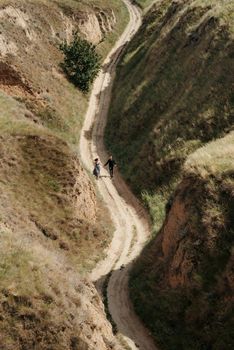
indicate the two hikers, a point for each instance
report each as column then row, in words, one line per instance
column 97, row 167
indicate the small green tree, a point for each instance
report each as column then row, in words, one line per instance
column 81, row 62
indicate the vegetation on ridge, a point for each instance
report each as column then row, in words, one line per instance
column 176, row 96
column 171, row 120
column 187, row 298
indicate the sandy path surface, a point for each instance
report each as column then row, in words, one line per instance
column 130, row 220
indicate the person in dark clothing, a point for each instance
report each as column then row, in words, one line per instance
column 111, row 163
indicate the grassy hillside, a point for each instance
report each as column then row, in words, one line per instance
column 41, row 111
column 171, row 120
column 52, row 229
column 34, row 75
column 172, row 94
column 187, row 272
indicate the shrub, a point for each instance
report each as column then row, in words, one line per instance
column 81, row 62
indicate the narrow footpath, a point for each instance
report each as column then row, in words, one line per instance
column 131, row 226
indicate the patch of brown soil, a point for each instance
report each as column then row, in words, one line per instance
column 12, row 82
column 51, row 227
column 48, row 232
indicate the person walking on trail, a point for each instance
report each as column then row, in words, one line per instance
column 97, row 168
column 111, row 163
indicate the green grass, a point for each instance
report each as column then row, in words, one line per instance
column 157, row 203
column 215, row 158
column 172, row 107
column 173, row 96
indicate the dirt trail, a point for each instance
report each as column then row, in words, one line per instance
column 132, row 230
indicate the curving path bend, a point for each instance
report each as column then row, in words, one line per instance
column 131, row 225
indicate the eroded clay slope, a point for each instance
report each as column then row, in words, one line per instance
column 182, row 285
column 51, row 228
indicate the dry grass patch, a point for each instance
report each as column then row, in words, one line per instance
column 40, row 169
column 215, row 158
column 36, row 284
column 51, row 227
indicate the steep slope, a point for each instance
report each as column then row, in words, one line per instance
column 44, row 303
column 111, row 275
column 172, row 96
column 188, row 269
column 172, row 93
column 52, row 229
column 30, row 55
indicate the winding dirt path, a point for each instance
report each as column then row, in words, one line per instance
column 130, row 220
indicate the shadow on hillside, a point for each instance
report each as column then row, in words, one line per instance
column 97, row 132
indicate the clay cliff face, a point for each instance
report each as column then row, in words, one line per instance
column 30, row 54
column 51, row 228
column 188, row 268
